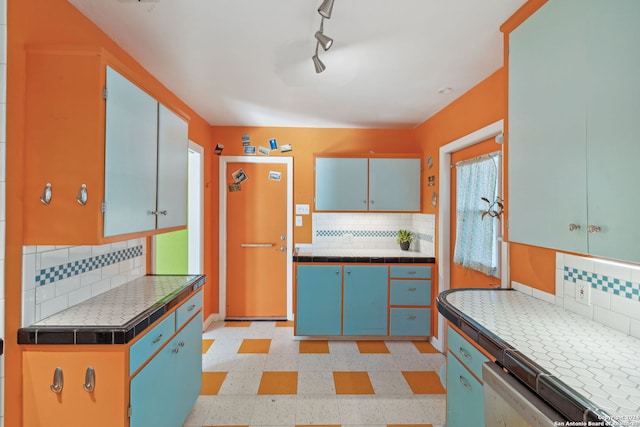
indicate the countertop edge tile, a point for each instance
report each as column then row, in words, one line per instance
column 112, row 334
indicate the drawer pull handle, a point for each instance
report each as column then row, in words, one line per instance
column 58, row 381
column 157, row 340
column 191, row 307
column 465, row 353
column 411, row 317
column 89, row 380
column 464, row 383
column 411, row 272
column 412, row 289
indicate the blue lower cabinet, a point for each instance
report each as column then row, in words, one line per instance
column 410, row 322
column 366, row 300
column 165, row 390
column 465, row 398
column 319, row 300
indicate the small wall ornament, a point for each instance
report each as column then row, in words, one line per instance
column 494, row 209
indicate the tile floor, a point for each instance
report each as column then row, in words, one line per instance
column 257, row 374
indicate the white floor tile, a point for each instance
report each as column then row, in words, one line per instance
column 238, row 383
column 274, row 410
column 389, row 383
column 316, row 382
column 360, row 410
column 317, row 410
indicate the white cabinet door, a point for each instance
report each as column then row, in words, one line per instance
column 173, row 143
column 547, row 128
column 341, row 184
column 394, row 185
column 130, row 157
column 613, row 127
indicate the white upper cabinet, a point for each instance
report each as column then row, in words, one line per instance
column 367, row 184
column 573, row 129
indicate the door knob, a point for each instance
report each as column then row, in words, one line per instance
column 283, row 237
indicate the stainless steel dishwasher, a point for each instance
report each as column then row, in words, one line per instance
column 509, row 403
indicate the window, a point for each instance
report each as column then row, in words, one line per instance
column 476, row 244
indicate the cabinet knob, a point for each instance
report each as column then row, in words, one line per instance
column 89, row 380
column 82, row 195
column 58, row 381
column 594, row 229
column 574, row 227
column 46, row 195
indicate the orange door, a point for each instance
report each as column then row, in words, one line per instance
column 256, row 245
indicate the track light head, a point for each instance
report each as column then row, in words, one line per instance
column 325, row 8
column 325, row 42
column 320, row 67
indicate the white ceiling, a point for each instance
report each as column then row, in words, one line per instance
column 248, row 62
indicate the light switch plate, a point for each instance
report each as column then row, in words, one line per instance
column 298, row 221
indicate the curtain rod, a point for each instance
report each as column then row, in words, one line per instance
column 477, row 159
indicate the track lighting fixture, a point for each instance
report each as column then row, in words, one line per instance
column 325, row 9
column 322, row 39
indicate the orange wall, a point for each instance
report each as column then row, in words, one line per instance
column 306, row 142
column 57, row 22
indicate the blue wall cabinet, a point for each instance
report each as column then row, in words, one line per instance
column 367, row 184
column 319, row 300
column 151, row 194
column 341, row 184
column 573, row 101
column 365, row 300
column 394, row 185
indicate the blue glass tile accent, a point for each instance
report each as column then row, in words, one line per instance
column 64, row 271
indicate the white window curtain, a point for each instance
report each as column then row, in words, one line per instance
column 476, row 238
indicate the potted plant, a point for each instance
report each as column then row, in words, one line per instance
column 405, row 237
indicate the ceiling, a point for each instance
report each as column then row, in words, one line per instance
column 248, row 62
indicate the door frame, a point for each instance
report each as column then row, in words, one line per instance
column 198, row 235
column 444, row 217
column 223, row 175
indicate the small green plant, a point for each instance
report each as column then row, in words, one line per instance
column 494, row 209
column 405, row 236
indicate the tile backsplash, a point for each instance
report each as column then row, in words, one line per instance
column 58, row 277
column 607, row 292
column 372, row 231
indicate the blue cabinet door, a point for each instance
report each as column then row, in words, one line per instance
column 394, row 185
column 188, row 369
column 365, row 300
column 341, row 184
column 151, row 391
column 465, row 398
column 319, row 300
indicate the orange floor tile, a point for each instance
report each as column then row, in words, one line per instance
column 211, row 382
column 314, row 347
column 352, row 383
column 285, row 324
column 424, row 382
column 278, row 383
column 372, row 347
column 425, row 347
column 206, row 344
column 237, row 324
column 254, row 346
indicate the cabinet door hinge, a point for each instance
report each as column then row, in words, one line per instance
column 104, row 93
column 129, row 411
column 104, row 207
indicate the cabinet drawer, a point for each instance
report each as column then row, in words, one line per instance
column 188, row 309
column 150, row 342
column 411, row 292
column 410, row 272
column 467, row 353
column 410, row 322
